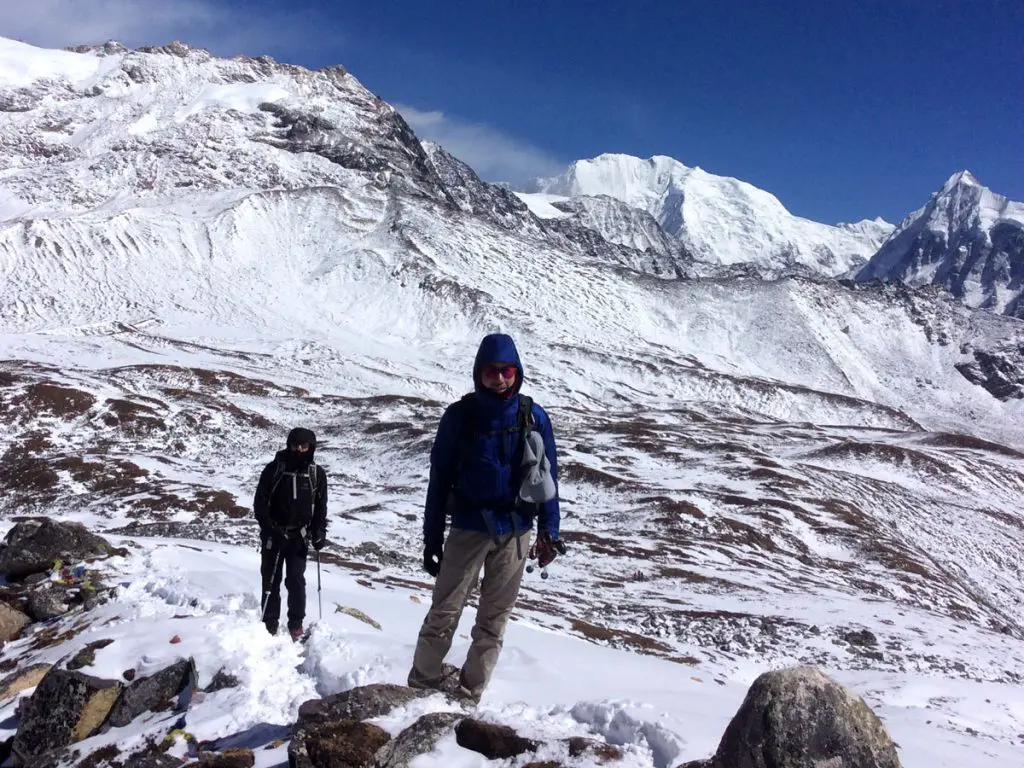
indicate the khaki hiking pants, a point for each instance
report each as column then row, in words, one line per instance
column 464, row 553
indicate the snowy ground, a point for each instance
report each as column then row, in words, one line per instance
column 547, row 684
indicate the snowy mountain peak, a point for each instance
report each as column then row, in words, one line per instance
column 961, row 178
column 719, row 219
column 966, row 238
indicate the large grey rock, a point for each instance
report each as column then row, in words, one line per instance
column 154, row 693
column 47, row 602
column 66, row 707
column 418, row 739
column 12, row 621
column 31, row 546
column 800, row 718
column 357, row 704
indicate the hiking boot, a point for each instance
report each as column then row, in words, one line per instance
column 447, row 683
column 296, row 633
column 271, row 628
column 464, row 695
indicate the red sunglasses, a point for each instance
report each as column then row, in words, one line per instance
column 504, row 371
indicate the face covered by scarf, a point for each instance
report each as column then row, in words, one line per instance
column 301, row 446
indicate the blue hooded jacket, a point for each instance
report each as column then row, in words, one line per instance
column 488, row 479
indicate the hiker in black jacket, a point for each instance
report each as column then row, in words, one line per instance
column 291, row 509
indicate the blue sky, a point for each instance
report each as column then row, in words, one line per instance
column 844, row 110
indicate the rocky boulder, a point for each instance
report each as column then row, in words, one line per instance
column 47, row 602
column 800, row 718
column 344, row 744
column 418, row 739
column 154, row 693
column 12, row 621
column 31, row 546
column 495, row 742
column 66, row 707
column 357, row 704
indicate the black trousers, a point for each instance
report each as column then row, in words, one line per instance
column 284, row 556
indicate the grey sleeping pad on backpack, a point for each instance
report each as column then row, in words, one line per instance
column 537, row 484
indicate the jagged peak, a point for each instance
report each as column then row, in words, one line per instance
column 962, row 178
column 109, row 48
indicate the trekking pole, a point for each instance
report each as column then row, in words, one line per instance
column 319, row 600
column 270, row 586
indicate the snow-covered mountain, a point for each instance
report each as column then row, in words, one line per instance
column 967, row 239
column 197, row 254
column 614, row 220
column 720, row 220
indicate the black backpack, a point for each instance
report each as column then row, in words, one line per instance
column 279, row 473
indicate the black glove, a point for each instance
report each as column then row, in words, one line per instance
column 432, row 560
column 547, row 549
column 317, row 539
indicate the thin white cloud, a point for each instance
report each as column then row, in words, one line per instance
column 203, row 23
column 57, row 23
column 494, row 155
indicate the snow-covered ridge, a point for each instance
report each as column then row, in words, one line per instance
column 111, row 129
column 719, row 219
column 22, row 64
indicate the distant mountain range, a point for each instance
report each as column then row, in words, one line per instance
column 967, row 238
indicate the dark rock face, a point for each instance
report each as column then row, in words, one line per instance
column 344, row 744
column 418, row 739
column 357, row 704
column 220, row 681
column 31, row 546
column 495, row 742
column 66, row 707
column 87, row 656
column 391, row 145
column 155, row 693
column 862, row 637
column 800, row 718
column 1000, row 372
column 472, row 195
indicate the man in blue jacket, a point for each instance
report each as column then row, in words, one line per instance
column 476, row 472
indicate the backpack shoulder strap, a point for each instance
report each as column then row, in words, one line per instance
column 524, row 416
column 467, row 424
column 314, row 476
column 276, row 478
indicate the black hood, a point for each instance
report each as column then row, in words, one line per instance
column 298, row 436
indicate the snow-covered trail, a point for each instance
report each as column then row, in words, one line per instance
column 201, row 599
